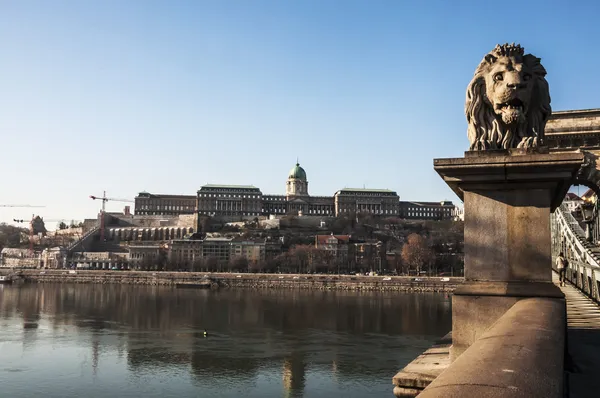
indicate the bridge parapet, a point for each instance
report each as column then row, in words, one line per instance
column 574, row 129
column 494, row 365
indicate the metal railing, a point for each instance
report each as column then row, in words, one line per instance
column 569, row 237
column 571, row 221
column 583, row 270
column 584, row 277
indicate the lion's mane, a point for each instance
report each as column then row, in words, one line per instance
column 486, row 129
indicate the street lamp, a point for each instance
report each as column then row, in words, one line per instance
column 587, row 213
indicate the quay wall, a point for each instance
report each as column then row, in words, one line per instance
column 244, row 280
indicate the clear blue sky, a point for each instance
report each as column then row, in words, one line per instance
column 166, row 96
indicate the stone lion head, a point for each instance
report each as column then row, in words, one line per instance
column 508, row 101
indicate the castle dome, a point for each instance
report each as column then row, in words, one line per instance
column 298, row 173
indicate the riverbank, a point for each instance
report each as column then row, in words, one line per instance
column 248, row 281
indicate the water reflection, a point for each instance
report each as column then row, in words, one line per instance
column 294, row 369
column 260, row 343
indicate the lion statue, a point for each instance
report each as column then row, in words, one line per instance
column 508, row 101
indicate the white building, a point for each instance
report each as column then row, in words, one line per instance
column 572, row 201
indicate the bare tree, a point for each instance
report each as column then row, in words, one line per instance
column 238, row 263
column 198, row 264
column 211, row 263
column 416, row 253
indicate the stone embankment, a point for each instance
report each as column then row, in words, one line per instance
column 243, row 280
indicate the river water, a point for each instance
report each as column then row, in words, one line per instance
column 115, row 341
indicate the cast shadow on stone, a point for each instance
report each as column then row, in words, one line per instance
column 515, row 200
column 582, row 343
column 497, row 262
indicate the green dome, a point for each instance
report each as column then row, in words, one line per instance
column 298, row 173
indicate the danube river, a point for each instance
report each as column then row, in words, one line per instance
column 97, row 341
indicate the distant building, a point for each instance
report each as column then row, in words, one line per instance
column 239, row 202
column 230, row 203
column 38, row 226
column 54, row 257
column 150, row 204
column 185, row 251
column 572, row 201
column 370, row 255
column 427, row 210
column 272, row 249
column 458, row 214
column 336, row 245
column 253, row 250
column 217, row 248
column 145, row 256
column 102, row 260
column 374, row 201
column 18, row 258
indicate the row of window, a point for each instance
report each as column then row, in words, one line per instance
column 425, row 214
column 227, row 195
column 229, row 213
column 366, row 194
column 158, row 213
column 380, row 211
column 167, row 207
column 431, row 209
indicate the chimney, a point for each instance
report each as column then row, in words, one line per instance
column 127, row 210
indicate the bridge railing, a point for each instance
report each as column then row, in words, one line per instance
column 583, row 270
column 584, row 276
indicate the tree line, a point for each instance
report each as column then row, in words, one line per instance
column 419, row 255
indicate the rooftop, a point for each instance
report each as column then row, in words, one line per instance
column 365, row 190
column 297, row 172
column 322, row 239
column 145, row 194
column 571, row 196
column 441, row 203
column 211, row 186
column 218, row 239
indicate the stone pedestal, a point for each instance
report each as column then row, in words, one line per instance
column 508, row 197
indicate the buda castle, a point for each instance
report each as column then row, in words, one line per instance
column 243, row 202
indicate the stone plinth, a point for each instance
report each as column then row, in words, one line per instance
column 508, row 197
column 418, row 374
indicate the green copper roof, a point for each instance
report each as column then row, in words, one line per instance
column 298, row 173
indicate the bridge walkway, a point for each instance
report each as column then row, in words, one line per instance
column 583, row 343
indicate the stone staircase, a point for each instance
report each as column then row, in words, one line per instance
column 80, row 243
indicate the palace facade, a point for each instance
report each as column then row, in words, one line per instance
column 243, row 202
column 238, row 202
column 148, row 204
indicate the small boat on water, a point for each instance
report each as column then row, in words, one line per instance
column 5, row 279
column 196, row 285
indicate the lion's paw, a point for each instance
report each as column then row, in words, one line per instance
column 528, row 142
column 482, row 145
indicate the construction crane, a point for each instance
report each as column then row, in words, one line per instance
column 31, row 228
column 104, row 199
column 20, row 206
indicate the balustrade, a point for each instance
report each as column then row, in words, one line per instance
column 583, row 270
